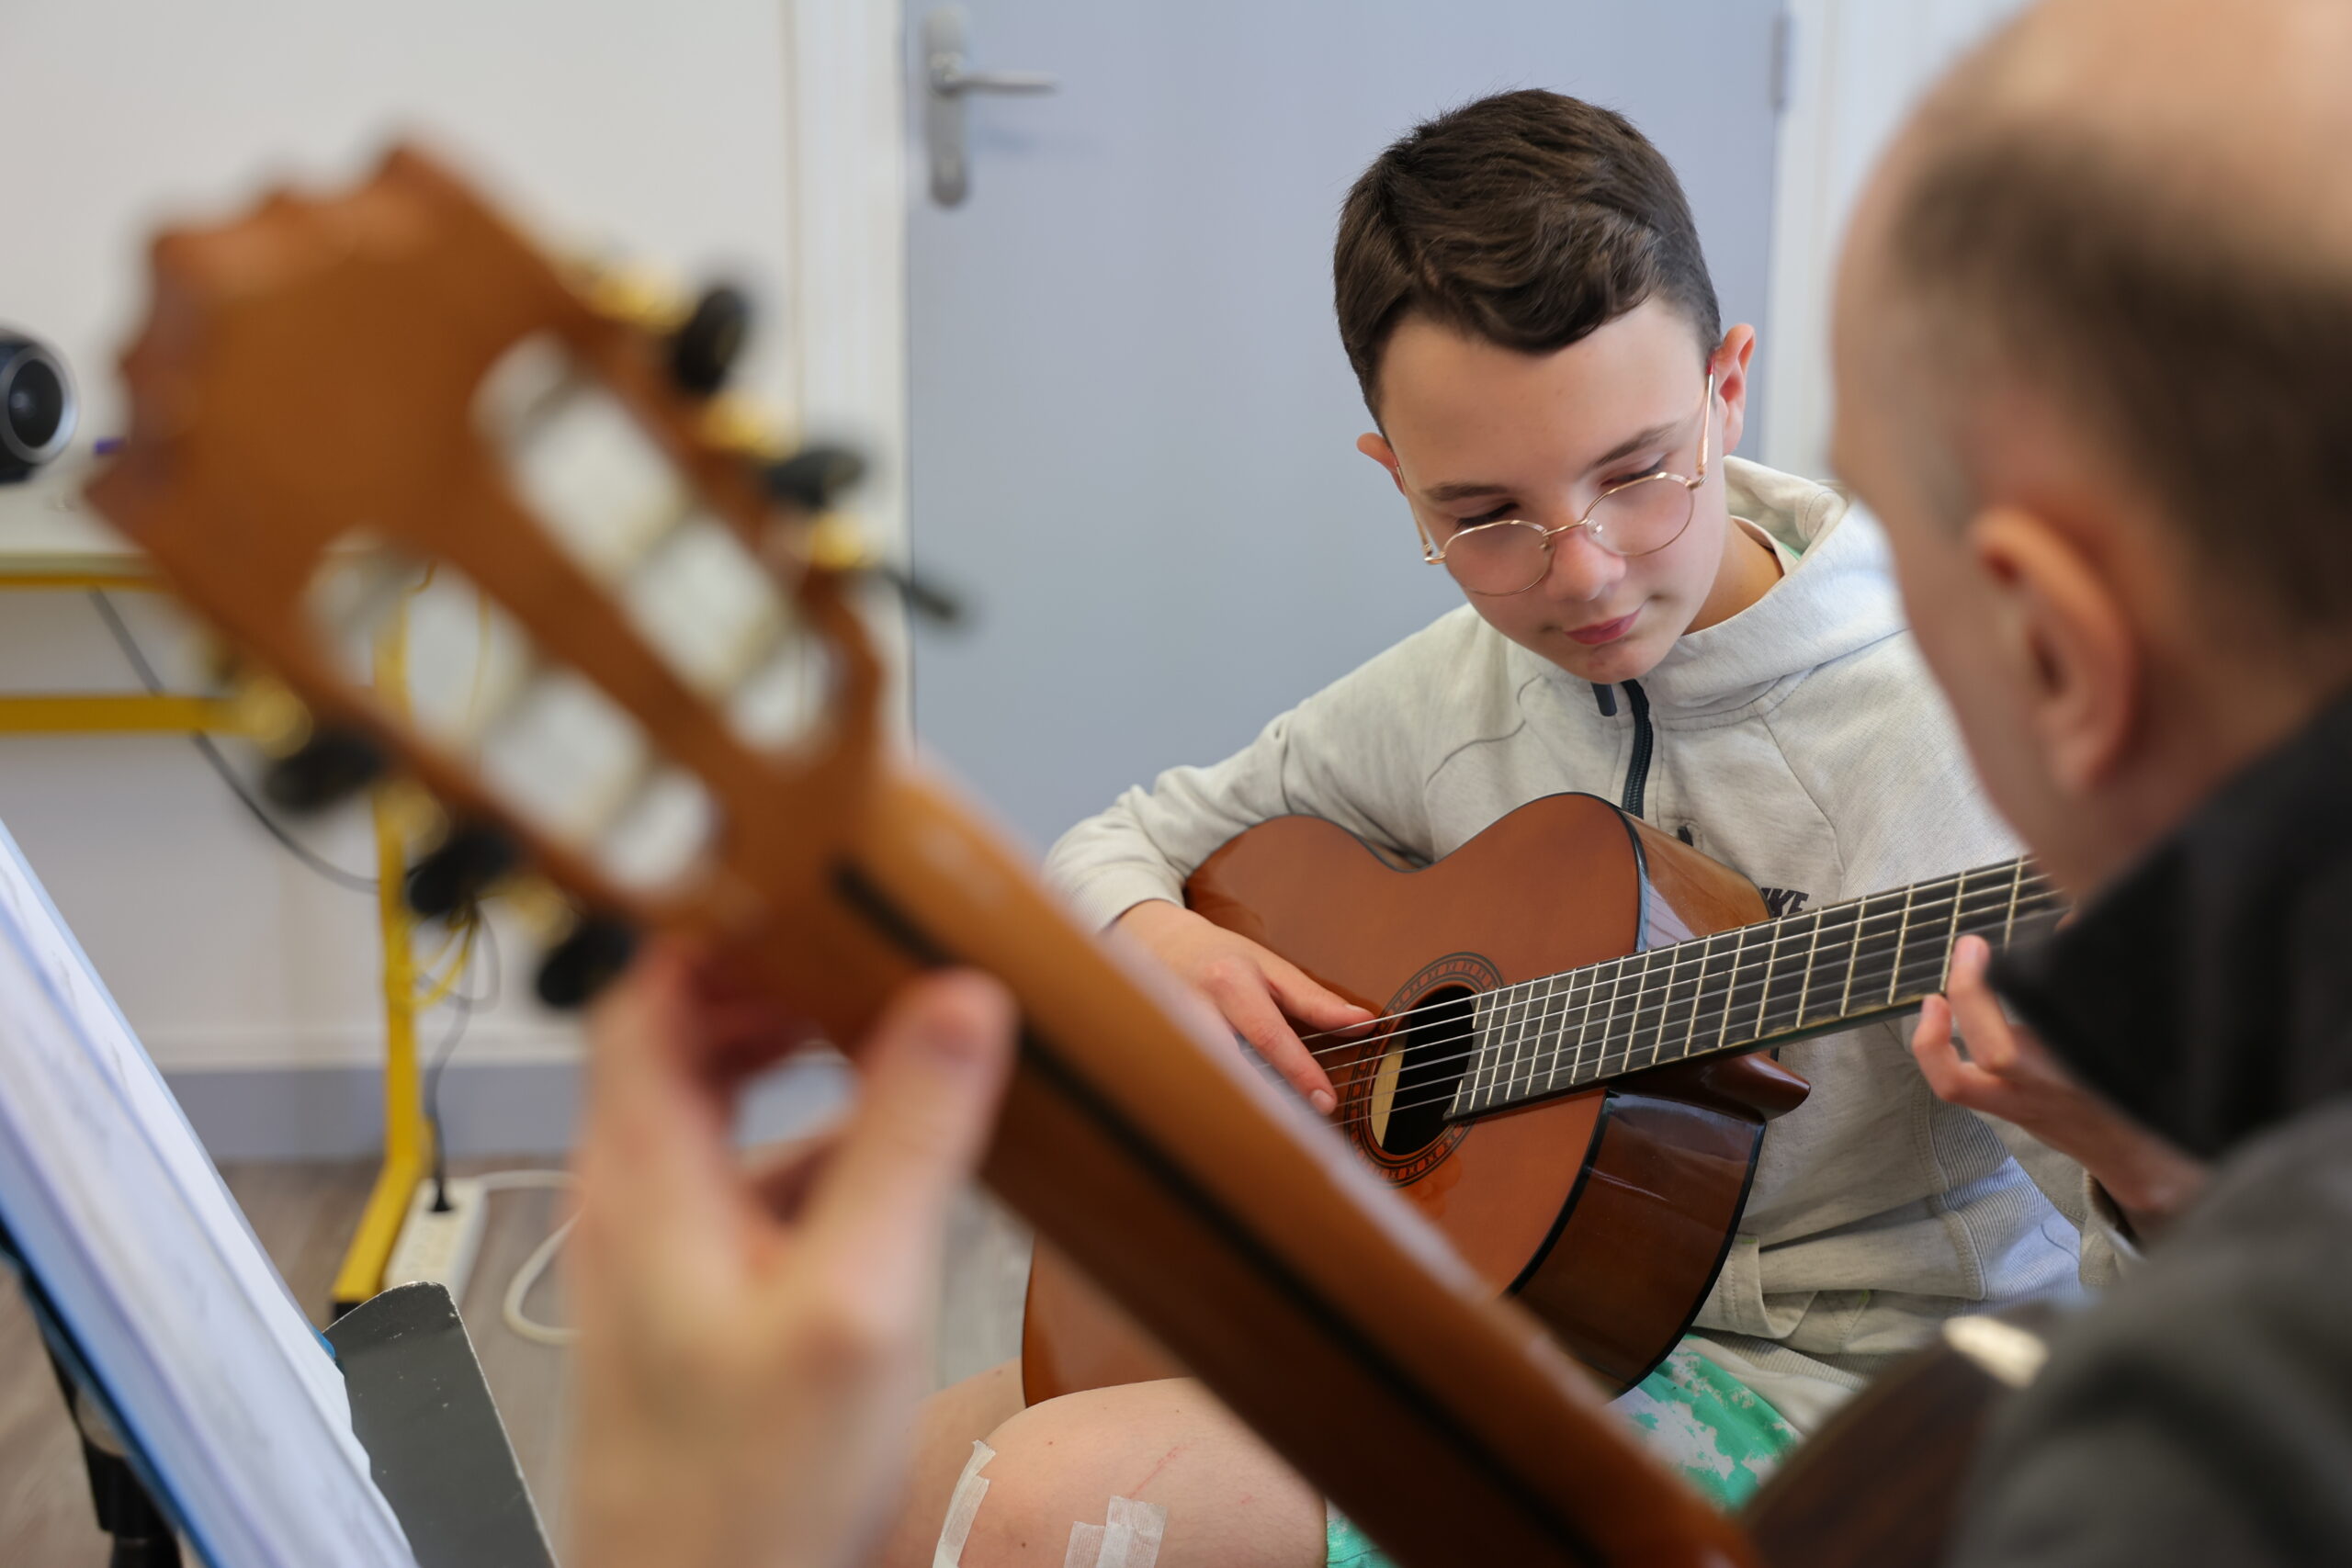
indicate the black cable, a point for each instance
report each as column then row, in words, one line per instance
column 211, row 753
column 465, row 1006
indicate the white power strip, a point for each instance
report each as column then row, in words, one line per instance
column 440, row 1245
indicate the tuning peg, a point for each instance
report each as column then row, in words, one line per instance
column 585, row 962
column 455, row 874
column 940, row 607
column 326, row 769
column 815, row 477
column 705, row 348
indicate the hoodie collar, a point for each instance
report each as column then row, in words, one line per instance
column 2206, row 990
column 1837, row 597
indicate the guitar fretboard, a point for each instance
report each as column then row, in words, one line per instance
column 1741, row 989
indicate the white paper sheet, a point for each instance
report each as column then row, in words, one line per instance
column 210, row 1366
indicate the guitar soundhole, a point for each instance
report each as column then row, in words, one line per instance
column 1425, row 1061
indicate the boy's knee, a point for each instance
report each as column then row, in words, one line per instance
column 1166, row 1445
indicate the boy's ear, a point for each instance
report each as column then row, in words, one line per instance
column 2067, row 644
column 1375, row 445
column 1730, row 361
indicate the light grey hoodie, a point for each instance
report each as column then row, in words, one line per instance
column 1800, row 742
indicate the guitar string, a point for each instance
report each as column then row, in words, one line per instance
column 1355, row 1034
column 1878, row 969
column 2033, row 887
column 1617, row 1062
column 1602, row 1072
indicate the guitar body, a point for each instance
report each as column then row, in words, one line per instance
column 1607, row 1212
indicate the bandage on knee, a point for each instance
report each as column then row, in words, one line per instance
column 963, row 1505
column 1128, row 1538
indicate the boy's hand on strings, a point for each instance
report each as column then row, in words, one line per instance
column 1258, row 993
column 2008, row 1073
column 750, row 1335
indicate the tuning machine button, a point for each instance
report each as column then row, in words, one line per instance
column 585, row 962
column 329, row 768
column 460, row 869
column 704, row 349
column 813, row 479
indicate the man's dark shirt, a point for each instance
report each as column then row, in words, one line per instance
column 2202, row 1414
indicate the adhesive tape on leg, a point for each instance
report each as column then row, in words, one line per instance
column 963, row 1506
column 1129, row 1536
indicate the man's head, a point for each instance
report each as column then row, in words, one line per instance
column 2092, row 327
column 1522, row 293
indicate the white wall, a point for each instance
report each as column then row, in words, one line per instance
column 1856, row 67
column 671, row 134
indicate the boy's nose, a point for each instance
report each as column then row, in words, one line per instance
column 1581, row 570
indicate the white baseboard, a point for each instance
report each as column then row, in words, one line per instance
column 526, row 1108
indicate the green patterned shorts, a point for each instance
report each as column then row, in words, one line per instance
column 1693, row 1415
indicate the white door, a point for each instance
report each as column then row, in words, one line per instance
column 1132, row 428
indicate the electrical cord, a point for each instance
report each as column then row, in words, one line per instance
column 463, row 1004
column 444, row 988
column 509, row 1309
column 137, row 657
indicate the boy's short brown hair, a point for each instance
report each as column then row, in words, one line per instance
column 1528, row 219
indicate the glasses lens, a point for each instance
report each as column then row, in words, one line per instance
column 1647, row 516
column 1497, row 557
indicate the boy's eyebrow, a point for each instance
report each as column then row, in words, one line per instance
column 1461, row 488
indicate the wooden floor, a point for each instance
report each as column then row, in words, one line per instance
column 304, row 1214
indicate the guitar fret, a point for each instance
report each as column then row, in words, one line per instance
column 1853, row 958
column 1731, row 987
column 1804, row 987
column 1483, row 1054
column 1539, row 1013
column 1764, row 992
column 1665, row 1003
column 2010, row 926
column 1902, row 934
column 1609, row 1024
column 1506, row 1061
column 1557, row 1065
column 1697, row 995
column 1952, row 937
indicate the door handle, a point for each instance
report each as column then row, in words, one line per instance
column 949, row 80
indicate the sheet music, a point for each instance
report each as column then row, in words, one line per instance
column 212, row 1367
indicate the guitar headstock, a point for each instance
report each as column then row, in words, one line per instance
column 389, row 403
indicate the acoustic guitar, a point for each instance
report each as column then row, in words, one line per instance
column 389, row 403
column 1568, row 1073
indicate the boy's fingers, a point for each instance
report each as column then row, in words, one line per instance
column 1257, row 1019
column 932, row 1074
column 1309, row 1002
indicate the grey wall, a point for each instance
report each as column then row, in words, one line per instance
column 1132, row 425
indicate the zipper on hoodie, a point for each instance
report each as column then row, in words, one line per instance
column 1637, row 769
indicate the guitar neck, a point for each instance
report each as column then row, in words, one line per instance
column 1744, row 989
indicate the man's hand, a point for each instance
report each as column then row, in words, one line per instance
column 750, row 1337
column 1258, row 993
column 2010, row 1074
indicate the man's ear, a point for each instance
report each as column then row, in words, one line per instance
column 1730, row 364
column 1375, row 445
column 2061, row 634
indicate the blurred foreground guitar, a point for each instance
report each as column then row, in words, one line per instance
column 387, row 404
column 1566, row 1076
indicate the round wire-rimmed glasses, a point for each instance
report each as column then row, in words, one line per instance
column 1639, row 517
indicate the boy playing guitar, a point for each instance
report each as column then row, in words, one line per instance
column 1715, row 646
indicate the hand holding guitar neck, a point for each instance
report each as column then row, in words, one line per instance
column 751, row 1340
column 2007, row 1072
